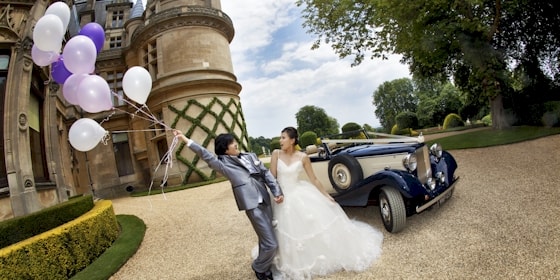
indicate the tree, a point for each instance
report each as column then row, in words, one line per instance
column 407, row 120
column 474, row 42
column 257, row 144
column 312, row 118
column 392, row 98
column 436, row 99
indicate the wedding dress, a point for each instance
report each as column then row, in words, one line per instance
column 315, row 235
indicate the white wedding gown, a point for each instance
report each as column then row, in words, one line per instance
column 315, row 235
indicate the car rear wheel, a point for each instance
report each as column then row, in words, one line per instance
column 344, row 172
column 392, row 209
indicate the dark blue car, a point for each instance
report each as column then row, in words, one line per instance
column 400, row 174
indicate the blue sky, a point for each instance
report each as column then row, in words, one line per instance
column 279, row 73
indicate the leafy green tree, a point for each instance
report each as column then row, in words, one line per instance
column 407, row 120
column 474, row 42
column 392, row 98
column 369, row 128
column 313, row 118
column 258, row 143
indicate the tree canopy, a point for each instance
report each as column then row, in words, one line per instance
column 392, row 98
column 474, row 42
column 313, row 118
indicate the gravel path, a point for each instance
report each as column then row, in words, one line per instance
column 503, row 222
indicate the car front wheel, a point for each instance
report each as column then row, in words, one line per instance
column 392, row 209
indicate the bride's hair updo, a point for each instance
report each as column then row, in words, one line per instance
column 292, row 133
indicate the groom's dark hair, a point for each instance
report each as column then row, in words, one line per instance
column 222, row 142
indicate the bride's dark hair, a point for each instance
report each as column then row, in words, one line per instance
column 292, row 133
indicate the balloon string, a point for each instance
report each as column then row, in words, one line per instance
column 167, row 159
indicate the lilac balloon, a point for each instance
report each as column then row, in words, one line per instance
column 94, row 94
column 96, row 33
column 59, row 72
column 43, row 58
column 70, row 88
column 79, row 54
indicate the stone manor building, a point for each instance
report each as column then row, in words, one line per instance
column 184, row 45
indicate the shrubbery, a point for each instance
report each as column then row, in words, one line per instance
column 452, row 120
column 308, row 138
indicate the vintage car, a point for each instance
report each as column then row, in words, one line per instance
column 399, row 174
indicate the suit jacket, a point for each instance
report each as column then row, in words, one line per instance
column 247, row 187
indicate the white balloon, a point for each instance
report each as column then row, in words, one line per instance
column 85, row 134
column 62, row 11
column 137, row 84
column 48, row 33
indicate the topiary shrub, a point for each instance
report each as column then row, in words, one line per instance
column 21, row 228
column 307, row 138
column 452, row 120
column 487, row 120
column 352, row 130
column 274, row 144
column 61, row 252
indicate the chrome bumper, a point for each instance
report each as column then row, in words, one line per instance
column 445, row 195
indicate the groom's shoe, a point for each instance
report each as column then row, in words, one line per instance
column 261, row 275
column 268, row 275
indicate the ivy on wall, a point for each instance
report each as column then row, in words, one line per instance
column 231, row 108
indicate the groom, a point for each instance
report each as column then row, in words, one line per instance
column 248, row 177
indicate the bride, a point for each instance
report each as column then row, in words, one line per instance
column 315, row 235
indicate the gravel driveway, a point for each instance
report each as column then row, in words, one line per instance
column 503, row 222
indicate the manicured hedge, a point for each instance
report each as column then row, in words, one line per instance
column 63, row 251
column 20, row 228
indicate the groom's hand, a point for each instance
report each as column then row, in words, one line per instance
column 279, row 198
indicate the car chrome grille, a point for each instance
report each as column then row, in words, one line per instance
column 423, row 169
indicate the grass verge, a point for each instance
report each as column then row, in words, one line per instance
column 132, row 234
column 493, row 137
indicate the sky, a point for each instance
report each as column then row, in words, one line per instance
column 279, row 73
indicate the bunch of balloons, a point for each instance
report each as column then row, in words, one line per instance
column 74, row 69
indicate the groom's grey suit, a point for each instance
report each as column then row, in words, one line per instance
column 249, row 189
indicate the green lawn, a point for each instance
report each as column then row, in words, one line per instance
column 133, row 228
column 491, row 137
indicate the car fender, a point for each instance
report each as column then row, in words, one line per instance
column 359, row 195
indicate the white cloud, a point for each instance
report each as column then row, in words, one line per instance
column 279, row 72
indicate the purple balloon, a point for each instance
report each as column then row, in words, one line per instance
column 59, row 72
column 70, row 88
column 96, row 33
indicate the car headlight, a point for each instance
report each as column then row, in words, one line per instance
column 436, row 150
column 409, row 162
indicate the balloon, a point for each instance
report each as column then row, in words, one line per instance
column 96, row 33
column 79, row 55
column 137, row 84
column 62, row 11
column 85, row 134
column 94, row 94
column 48, row 33
column 59, row 71
column 70, row 88
column 43, row 58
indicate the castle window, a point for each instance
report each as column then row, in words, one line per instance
column 150, row 59
column 117, row 19
column 4, row 62
column 121, row 149
column 115, row 42
column 37, row 133
column 114, row 79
